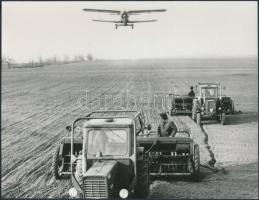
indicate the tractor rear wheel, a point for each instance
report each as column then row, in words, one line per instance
column 142, row 186
column 232, row 107
column 56, row 164
column 194, row 109
column 196, row 163
column 198, row 118
column 223, row 119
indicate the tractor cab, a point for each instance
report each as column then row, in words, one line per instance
column 207, row 91
column 105, row 161
column 105, row 138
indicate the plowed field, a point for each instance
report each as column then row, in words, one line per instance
column 38, row 103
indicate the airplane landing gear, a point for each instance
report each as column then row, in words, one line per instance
column 116, row 26
column 132, row 26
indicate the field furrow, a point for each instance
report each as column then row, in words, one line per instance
column 37, row 104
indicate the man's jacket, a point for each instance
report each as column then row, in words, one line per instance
column 166, row 129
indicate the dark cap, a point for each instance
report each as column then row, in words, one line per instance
column 191, row 87
column 164, row 116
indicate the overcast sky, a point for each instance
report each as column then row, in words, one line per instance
column 187, row 29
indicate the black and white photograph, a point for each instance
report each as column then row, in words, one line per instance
column 129, row 99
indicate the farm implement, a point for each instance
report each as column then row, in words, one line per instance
column 180, row 105
column 172, row 156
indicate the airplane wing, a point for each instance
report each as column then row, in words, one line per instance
column 145, row 11
column 97, row 20
column 102, row 10
column 142, row 21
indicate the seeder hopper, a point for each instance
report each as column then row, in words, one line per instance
column 172, row 156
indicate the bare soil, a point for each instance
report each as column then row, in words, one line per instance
column 233, row 182
column 38, row 103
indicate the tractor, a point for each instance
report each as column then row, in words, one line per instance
column 102, row 156
column 112, row 155
column 211, row 104
column 171, row 157
column 180, row 104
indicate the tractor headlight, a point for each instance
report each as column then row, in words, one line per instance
column 73, row 192
column 211, row 109
column 219, row 108
column 202, row 108
column 124, row 193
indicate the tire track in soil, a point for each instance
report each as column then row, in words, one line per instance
column 55, row 108
column 43, row 124
column 28, row 190
column 213, row 160
column 63, row 92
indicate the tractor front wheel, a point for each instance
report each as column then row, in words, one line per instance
column 196, row 163
column 142, row 186
column 223, row 119
column 198, row 118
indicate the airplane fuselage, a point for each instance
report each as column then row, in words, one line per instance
column 124, row 18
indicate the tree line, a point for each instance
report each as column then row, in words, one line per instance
column 9, row 62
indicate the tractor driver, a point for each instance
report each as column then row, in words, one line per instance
column 191, row 93
column 166, row 128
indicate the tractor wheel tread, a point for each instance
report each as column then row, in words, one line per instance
column 196, row 163
column 142, row 186
column 194, row 110
column 198, row 119
column 223, row 119
column 55, row 164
